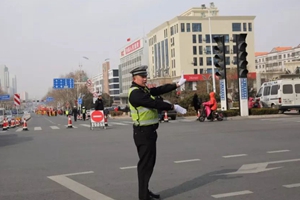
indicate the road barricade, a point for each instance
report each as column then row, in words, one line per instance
column 97, row 119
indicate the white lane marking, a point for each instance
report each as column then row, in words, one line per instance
column 37, row 128
column 49, row 120
column 54, row 127
column 86, row 125
column 278, row 151
column 234, row 156
column 292, row 185
column 231, row 194
column 128, row 122
column 184, row 161
column 19, row 129
column 78, row 188
column 130, row 167
column 118, row 123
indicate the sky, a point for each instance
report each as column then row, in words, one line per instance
column 41, row 40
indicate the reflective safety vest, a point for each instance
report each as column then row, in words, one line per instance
column 83, row 110
column 142, row 116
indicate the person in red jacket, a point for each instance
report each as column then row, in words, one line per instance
column 210, row 105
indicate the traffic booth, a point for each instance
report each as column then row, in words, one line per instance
column 97, row 119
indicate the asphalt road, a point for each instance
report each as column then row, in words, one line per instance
column 246, row 159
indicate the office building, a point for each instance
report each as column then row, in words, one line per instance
column 279, row 59
column 114, row 86
column 132, row 55
column 183, row 43
column 4, row 79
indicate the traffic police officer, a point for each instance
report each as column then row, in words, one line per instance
column 143, row 107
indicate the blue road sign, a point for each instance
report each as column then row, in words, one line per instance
column 222, row 89
column 79, row 101
column 5, row 97
column 62, row 83
column 244, row 88
column 49, row 99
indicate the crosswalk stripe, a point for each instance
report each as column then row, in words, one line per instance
column 117, row 123
column 37, row 128
column 19, row 129
column 86, row 125
column 54, row 127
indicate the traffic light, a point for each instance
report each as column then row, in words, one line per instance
column 219, row 58
column 242, row 56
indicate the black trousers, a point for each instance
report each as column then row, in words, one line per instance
column 145, row 138
column 83, row 116
column 75, row 117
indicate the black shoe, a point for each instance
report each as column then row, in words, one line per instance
column 155, row 196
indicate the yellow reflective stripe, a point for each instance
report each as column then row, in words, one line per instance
column 141, row 110
column 146, row 122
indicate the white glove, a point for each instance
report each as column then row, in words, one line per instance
column 182, row 80
column 179, row 109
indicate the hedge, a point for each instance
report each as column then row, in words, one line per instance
column 263, row 111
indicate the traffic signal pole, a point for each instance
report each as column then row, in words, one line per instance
column 242, row 73
column 220, row 63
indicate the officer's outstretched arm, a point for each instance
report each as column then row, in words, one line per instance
column 156, row 91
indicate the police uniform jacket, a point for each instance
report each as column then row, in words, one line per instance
column 140, row 97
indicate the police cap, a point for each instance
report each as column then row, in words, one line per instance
column 142, row 70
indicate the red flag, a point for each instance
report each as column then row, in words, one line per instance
column 128, row 39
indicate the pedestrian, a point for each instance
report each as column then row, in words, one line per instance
column 99, row 103
column 196, row 102
column 75, row 113
column 83, row 111
column 143, row 107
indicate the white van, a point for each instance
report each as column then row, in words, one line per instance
column 283, row 94
column 2, row 114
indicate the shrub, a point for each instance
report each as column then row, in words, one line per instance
column 263, row 111
column 115, row 113
column 231, row 113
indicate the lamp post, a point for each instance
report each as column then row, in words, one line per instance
column 211, row 51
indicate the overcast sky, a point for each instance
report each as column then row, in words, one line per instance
column 43, row 39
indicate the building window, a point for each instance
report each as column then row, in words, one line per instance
column 167, row 52
column 200, row 50
column 250, row 27
column 207, row 38
column 234, row 60
column 172, row 30
column 227, row 49
column 201, row 71
column 236, row 27
column 234, row 49
column 209, row 70
column 163, row 53
column 194, row 39
column 194, row 50
column 199, row 38
column 208, row 61
column 195, row 61
column 245, row 27
column 182, row 27
column 227, row 60
column 200, row 61
column 188, row 27
column 195, row 71
column 196, row 27
column 208, row 51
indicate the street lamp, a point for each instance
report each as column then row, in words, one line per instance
column 211, row 49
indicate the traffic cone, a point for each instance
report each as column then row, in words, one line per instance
column 12, row 123
column 25, row 125
column 4, row 126
column 70, row 122
column 105, row 120
column 166, row 119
